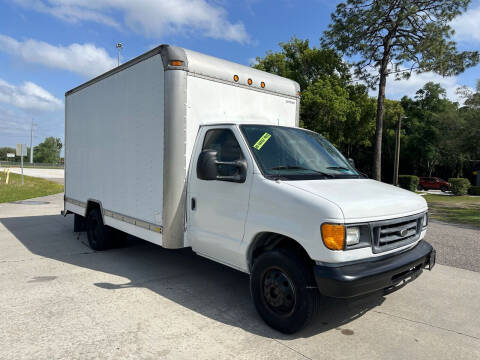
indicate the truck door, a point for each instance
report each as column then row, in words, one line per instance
column 217, row 209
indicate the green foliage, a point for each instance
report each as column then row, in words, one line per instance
column 474, row 190
column 408, row 182
column 4, row 151
column 383, row 34
column 414, row 32
column 48, row 151
column 459, row 186
column 330, row 104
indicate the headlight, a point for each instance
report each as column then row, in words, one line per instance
column 424, row 222
column 353, row 236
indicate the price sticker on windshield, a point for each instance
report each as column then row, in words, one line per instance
column 258, row 145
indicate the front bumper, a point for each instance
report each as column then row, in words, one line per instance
column 365, row 277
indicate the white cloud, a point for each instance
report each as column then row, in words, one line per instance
column 467, row 26
column 13, row 124
column 28, row 96
column 86, row 59
column 396, row 89
column 154, row 18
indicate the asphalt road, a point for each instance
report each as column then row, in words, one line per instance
column 59, row 299
column 456, row 245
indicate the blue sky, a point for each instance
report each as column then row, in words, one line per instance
column 50, row 46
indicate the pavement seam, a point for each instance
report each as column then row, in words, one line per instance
column 288, row 347
column 424, row 323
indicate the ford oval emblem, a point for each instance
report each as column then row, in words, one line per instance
column 403, row 232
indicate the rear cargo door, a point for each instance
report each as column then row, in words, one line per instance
column 217, row 209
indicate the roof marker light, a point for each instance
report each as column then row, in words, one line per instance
column 262, row 84
column 250, row 82
column 235, row 78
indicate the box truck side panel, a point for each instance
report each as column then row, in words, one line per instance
column 114, row 143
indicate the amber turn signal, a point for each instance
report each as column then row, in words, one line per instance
column 176, row 63
column 333, row 236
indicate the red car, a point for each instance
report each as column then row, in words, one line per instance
column 433, row 183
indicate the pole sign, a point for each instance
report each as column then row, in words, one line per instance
column 21, row 150
column 10, row 155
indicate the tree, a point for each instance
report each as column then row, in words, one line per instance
column 48, row 151
column 4, row 151
column 330, row 103
column 385, row 33
column 431, row 130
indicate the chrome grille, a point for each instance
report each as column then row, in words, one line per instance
column 391, row 234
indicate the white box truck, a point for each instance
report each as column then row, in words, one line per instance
column 187, row 150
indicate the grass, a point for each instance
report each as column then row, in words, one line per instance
column 454, row 209
column 33, row 187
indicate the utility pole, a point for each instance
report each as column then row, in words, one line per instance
column 396, row 164
column 31, row 143
column 119, row 47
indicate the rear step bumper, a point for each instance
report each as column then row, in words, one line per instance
column 365, row 277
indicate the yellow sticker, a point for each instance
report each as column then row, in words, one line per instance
column 258, row 145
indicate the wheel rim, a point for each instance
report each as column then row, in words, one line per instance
column 278, row 292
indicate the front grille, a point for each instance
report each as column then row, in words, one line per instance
column 392, row 234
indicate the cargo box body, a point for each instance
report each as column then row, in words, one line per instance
column 129, row 134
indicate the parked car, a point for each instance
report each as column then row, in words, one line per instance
column 433, row 183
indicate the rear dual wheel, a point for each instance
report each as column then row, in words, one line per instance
column 284, row 290
column 100, row 236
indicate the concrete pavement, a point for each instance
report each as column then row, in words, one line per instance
column 60, row 299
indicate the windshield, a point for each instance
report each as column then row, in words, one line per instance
column 295, row 154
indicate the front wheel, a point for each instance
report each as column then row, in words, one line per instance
column 283, row 290
column 444, row 189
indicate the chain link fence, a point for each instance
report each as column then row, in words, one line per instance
column 29, row 165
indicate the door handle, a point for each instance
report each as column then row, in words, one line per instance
column 194, row 203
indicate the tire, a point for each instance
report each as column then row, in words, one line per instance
column 99, row 235
column 284, row 291
column 420, row 188
column 444, row 188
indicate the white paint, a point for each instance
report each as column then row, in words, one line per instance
column 114, row 141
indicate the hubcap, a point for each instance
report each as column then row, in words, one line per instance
column 278, row 292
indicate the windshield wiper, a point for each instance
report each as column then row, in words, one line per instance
column 338, row 168
column 295, row 167
column 344, row 168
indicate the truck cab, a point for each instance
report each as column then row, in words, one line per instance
column 284, row 205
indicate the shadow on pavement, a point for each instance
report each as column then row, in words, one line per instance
column 201, row 285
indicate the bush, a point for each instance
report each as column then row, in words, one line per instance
column 459, row 186
column 408, row 182
column 474, row 190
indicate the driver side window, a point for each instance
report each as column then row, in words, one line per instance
column 223, row 141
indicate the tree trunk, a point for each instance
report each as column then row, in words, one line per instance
column 377, row 149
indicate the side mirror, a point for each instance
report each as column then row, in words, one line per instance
column 240, row 177
column 207, row 168
column 207, row 165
